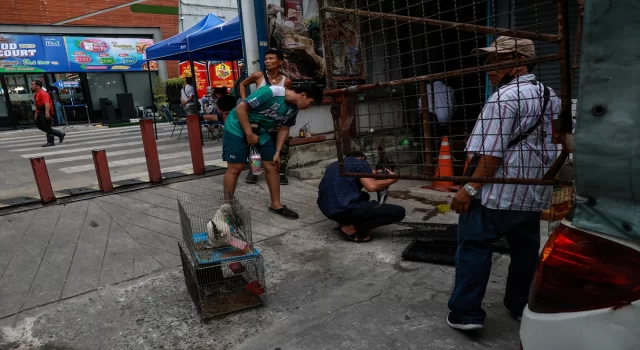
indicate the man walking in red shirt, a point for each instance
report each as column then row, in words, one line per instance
column 44, row 110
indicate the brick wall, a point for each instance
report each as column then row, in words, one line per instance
column 48, row 12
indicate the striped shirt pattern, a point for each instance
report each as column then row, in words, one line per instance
column 510, row 111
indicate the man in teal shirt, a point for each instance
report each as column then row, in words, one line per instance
column 248, row 124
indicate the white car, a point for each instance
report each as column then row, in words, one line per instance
column 585, row 294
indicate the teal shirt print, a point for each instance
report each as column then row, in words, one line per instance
column 268, row 109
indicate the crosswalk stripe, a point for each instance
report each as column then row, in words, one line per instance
column 132, row 161
column 87, row 149
column 88, row 132
column 185, row 169
column 74, row 138
column 109, row 154
column 72, row 144
column 38, row 134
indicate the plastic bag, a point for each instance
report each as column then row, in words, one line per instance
column 256, row 161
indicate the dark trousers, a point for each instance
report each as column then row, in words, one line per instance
column 45, row 125
column 284, row 152
column 477, row 231
column 367, row 217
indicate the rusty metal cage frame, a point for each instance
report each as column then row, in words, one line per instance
column 343, row 108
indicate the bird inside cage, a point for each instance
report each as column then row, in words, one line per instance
column 225, row 228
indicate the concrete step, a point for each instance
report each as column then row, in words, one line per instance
column 312, row 153
column 404, row 160
column 315, row 171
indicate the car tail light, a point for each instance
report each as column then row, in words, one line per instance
column 579, row 271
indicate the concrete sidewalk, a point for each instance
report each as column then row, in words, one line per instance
column 104, row 274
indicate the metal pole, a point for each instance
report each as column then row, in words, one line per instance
column 564, row 124
column 64, row 113
column 446, row 24
column 153, row 100
column 43, row 181
column 442, row 75
column 86, row 108
column 195, row 89
column 249, row 35
column 262, row 31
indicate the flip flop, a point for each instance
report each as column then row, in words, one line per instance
column 356, row 237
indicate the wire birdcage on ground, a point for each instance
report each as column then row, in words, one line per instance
column 215, row 228
column 226, row 286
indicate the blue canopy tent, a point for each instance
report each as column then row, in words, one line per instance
column 176, row 47
column 220, row 43
column 209, row 40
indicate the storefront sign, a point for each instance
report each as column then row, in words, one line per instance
column 32, row 54
column 222, row 74
column 201, row 75
column 107, row 54
column 66, row 84
column 41, row 53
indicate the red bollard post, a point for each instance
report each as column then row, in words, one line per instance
column 42, row 180
column 150, row 151
column 195, row 144
column 102, row 170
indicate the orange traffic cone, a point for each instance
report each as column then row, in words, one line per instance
column 455, row 188
column 445, row 167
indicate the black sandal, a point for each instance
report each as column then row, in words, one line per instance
column 355, row 237
column 285, row 213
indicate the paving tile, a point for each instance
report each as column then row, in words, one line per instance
column 262, row 204
column 84, row 273
column 152, row 198
column 150, row 238
column 11, row 230
column 159, row 225
column 260, row 228
column 167, row 192
column 302, row 200
column 49, row 281
column 22, row 269
column 117, row 265
column 138, row 206
column 144, row 262
column 167, row 259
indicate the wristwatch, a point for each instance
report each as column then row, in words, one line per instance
column 471, row 190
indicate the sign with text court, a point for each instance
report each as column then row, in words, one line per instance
column 32, row 54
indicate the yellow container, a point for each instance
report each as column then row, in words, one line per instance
column 443, row 208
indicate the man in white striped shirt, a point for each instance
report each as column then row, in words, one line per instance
column 512, row 139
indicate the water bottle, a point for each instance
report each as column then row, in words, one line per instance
column 256, row 161
column 307, row 132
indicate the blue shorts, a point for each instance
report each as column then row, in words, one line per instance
column 235, row 149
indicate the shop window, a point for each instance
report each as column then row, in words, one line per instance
column 4, row 111
column 105, row 85
column 138, row 86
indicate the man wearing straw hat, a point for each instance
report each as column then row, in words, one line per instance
column 512, row 139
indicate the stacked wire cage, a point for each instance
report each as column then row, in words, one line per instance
column 224, row 272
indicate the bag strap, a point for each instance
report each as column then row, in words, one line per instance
column 266, row 78
column 522, row 136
